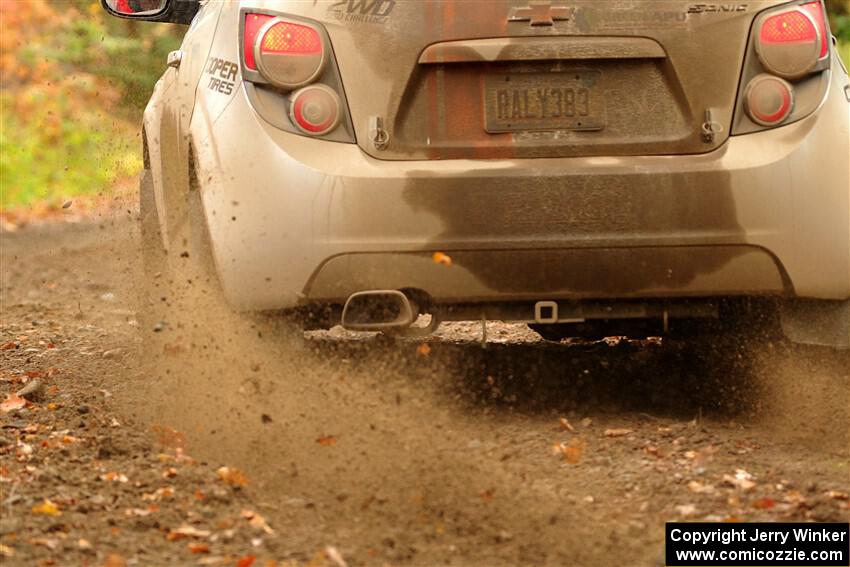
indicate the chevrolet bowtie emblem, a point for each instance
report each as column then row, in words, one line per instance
column 540, row 14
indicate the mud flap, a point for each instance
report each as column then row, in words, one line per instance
column 817, row 322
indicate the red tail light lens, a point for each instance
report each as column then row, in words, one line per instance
column 790, row 42
column 253, row 23
column 315, row 109
column 769, row 100
column 790, row 27
column 287, row 54
column 816, row 11
column 289, row 38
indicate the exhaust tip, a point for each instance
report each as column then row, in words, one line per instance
column 378, row 310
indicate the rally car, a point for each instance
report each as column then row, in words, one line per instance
column 576, row 165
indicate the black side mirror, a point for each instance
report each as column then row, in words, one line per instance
column 171, row 11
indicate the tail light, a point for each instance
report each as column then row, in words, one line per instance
column 315, row 109
column 782, row 79
column 790, row 43
column 288, row 64
column 769, row 100
column 289, row 55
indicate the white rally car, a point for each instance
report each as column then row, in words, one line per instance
column 581, row 166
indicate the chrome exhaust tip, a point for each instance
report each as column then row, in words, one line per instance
column 378, row 310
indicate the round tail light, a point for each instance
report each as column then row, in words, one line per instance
column 789, row 43
column 769, row 100
column 316, row 109
column 289, row 55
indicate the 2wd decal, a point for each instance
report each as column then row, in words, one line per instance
column 222, row 75
column 363, row 11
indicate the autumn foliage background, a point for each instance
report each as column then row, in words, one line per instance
column 73, row 84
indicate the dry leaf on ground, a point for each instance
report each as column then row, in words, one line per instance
column 198, row 547
column 113, row 476
column 700, row 488
column 326, row 440
column 12, row 402
column 334, row 555
column 566, row 425
column 232, row 476
column 741, row 479
column 622, row 432
column 186, row 531
column 46, row 508
column 572, row 451
column 257, row 521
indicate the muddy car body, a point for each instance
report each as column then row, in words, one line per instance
column 547, row 162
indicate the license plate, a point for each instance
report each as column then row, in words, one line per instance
column 543, row 101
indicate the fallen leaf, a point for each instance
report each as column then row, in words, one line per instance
column 334, row 555
column 232, row 476
column 487, row 495
column 618, row 432
column 654, row 451
column 586, row 422
column 170, row 472
column 423, row 349
column 741, row 479
column 49, row 543
column 12, row 402
column 566, row 425
column 764, row 503
column 47, row 508
column 186, row 531
column 198, row 547
column 6, row 551
column 326, row 440
column 140, row 512
column 686, row 510
column 572, row 451
column 83, row 543
column 246, row 561
column 114, row 560
column 199, row 495
column 159, row 494
column 700, row 488
column 442, row 259
column 836, row 495
column 113, row 476
column 257, row 522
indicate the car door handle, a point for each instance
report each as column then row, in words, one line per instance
column 175, row 58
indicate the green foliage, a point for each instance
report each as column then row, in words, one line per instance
column 53, row 153
column 115, row 50
column 72, row 99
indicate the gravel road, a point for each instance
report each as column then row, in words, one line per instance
column 229, row 440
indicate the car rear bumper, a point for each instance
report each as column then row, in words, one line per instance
column 295, row 220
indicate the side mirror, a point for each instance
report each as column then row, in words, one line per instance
column 171, row 11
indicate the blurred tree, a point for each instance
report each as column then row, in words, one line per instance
column 839, row 18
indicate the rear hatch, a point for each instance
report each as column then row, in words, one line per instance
column 504, row 78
